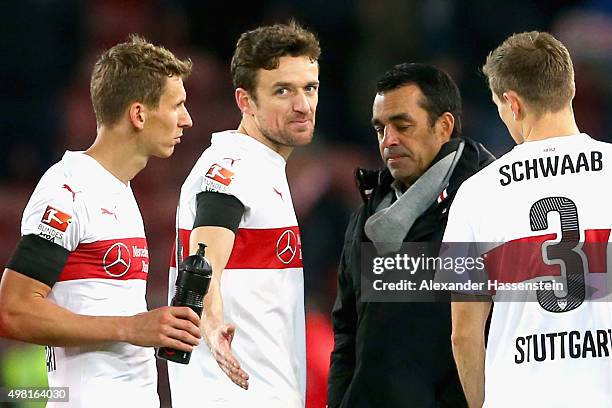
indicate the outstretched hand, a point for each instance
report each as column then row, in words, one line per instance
column 219, row 340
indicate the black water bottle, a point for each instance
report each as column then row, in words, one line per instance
column 192, row 283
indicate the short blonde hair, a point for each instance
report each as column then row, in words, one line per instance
column 133, row 71
column 535, row 65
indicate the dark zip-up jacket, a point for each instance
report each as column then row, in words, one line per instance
column 395, row 354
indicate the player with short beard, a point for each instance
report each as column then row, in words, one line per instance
column 236, row 200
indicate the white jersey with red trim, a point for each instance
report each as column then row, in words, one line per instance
column 81, row 206
column 262, row 285
column 546, row 348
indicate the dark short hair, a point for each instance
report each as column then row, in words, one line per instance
column 535, row 65
column 440, row 92
column 262, row 47
column 133, row 71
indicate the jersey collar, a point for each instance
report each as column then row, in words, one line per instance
column 234, row 138
column 84, row 167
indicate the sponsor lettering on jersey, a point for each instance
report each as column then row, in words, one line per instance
column 142, row 253
column 56, row 219
column 127, row 258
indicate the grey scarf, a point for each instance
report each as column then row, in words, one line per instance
column 388, row 227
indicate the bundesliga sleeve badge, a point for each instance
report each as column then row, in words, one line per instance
column 54, row 223
column 218, row 178
column 56, row 219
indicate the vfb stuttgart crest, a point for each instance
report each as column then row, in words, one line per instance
column 117, row 260
column 287, row 246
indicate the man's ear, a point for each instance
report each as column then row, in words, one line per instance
column 517, row 106
column 245, row 101
column 137, row 114
column 445, row 126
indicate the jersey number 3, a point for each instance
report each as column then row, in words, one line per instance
column 564, row 251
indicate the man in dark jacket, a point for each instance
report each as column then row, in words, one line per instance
column 398, row 354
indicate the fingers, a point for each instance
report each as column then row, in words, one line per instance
column 226, row 360
column 231, row 368
column 182, row 335
column 176, row 344
column 185, row 313
column 187, row 326
column 165, row 327
column 237, row 378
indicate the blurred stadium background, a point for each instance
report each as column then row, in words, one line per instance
column 49, row 46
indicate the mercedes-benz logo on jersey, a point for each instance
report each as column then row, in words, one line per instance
column 117, row 260
column 286, row 246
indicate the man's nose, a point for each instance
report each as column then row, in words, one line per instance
column 389, row 137
column 185, row 120
column 301, row 103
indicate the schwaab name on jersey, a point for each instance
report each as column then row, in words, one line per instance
column 535, row 348
column 550, row 166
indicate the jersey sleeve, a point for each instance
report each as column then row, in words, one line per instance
column 235, row 176
column 459, row 227
column 461, row 252
column 50, row 231
column 52, row 213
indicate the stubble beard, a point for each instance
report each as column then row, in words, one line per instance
column 285, row 138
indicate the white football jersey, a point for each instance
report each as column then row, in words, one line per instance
column 548, row 348
column 262, row 285
column 81, row 206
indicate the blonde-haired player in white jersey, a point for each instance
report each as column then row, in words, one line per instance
column 555, row 348
column 236, row 200
column 76, row 282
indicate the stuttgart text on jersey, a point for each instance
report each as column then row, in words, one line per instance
column 550, row 166
column 535, row 348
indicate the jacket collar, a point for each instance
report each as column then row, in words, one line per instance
column 375, row 184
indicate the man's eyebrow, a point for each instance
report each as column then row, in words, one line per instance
column 395, row 118
column 401, row 117
column 290, row 84
column 285, row 84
